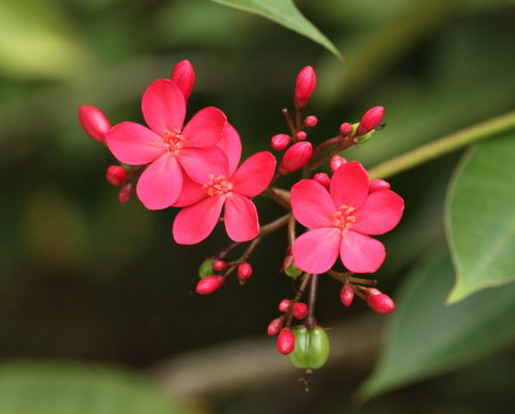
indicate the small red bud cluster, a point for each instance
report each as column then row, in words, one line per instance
column 376, row 300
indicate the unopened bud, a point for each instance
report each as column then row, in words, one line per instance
column 296, row 157
column 285, row 341
column 244, row 271
column 370, row 120
column 219, row 265
column 284, row 305
column 337, row 162
column 116, row 175
column 301, row 136
column 311, row 121
column 280, row 142
column 94, row 122
column 377, row 184
column 379, row 302
column 125, row 193
column 183, row 75
column 209, row 284
column 274, row 327
column 300, row 310
column 347, row 294
column 304, row 86
column 345, row 129
column 322, row 178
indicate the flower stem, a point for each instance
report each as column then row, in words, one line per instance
column 444, row 145
column 311, row 320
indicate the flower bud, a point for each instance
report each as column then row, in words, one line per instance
column 209, row 284
column 379, row 302
column 370, row 120
column 183, row 75
column 285, row 341
column 311, row 121
column 322, row 178
column 347, row 294
column 296, row 157
column 300, row 310
column 116, row 175
column 244, row 271
column 94, row 122
column 301, row 136
column 280, row 142
column 377, row 184
column 304, row 86
column 125, row 193
column 345, row 129
column 337, row 162
column 284, row 305
column 219, row 265
column 274, row 327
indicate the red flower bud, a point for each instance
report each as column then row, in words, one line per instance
column 125, row 193
column 116, row 175
column 274, row 327
column 280, row 142
column 284, row 305
column 370, row 120
column 219, row 265
column 347, row 294
column 337, row 162
column 300, row 310
column 377, row 184
column 285, row 341
column 322, row 178
column 301, row 136
column 244, row 271
column 379, row 302
column 310, row 121
column 183, row 75
column 94, row 122
column 345, row 129
column 209, row 284
column 296, row 157
column 304, row 86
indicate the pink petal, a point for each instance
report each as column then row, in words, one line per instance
column 160, row 184
column 134, row 144
column 316, row 251
column 241, row 219
column 360, row 253
column 312, row 205
column 230, row 144
column 254, row 174
column 199, row 163
column 380, row 213
column 191, row 192
column 163, row 106
column 205, row 129
column 349, row 185
column 194, row 223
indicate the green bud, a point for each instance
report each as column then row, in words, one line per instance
column 206, row 268
column 292, row 271
column 311, row 348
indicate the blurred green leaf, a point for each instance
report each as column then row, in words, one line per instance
column 286, row 14
column 59, row 388
column 425, row 337
column 481, row 219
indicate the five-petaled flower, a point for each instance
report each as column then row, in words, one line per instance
column 341, row 220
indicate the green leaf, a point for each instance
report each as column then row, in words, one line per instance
column 480, row 217
column 425, row 337
column 64, row 388
column 285, row 13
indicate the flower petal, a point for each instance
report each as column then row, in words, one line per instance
column 312, row 205
column 254, row 174
column 349, row 185
column 241, row 219
column 205, row 129
column 360, row 253
column 380, row 213
column 191, row 192
column 230, row 144
column 134, row 144
column 194, row 223
column 199, row 163
column 163, row 106
column 160, row 184
column 316, row 251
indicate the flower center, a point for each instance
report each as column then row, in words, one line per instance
column 343, row 218
column 173, row 139
column 217, row 185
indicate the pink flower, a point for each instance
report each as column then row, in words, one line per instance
column 341, row 221
column 168, row 148
column 225, row 186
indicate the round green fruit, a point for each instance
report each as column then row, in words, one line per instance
column 206, row 268
column 292, row 271
column 311, row 348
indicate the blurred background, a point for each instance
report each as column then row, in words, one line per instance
column 95, row 293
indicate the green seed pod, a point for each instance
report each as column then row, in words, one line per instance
column 311, row 348
column 206, row 268
column 292, row 271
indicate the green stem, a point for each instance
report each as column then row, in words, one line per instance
column 444, row 145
